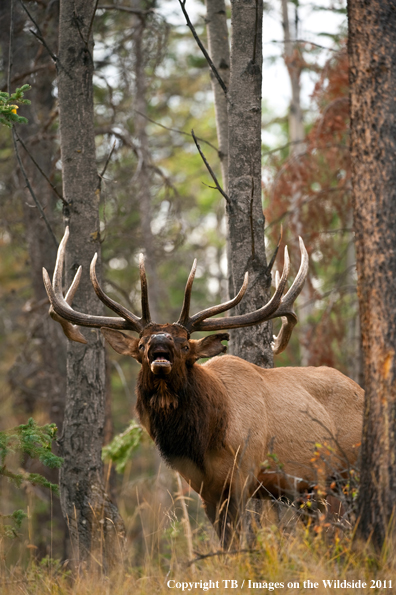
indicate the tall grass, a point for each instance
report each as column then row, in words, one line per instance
column 162, row 543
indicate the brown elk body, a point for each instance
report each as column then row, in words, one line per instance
column 216, row 423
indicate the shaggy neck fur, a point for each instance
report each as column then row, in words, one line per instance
column 186, row 413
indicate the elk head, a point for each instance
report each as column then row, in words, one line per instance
column 165, row 349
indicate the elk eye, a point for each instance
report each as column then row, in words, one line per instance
column 141, row 347
column 185, row 348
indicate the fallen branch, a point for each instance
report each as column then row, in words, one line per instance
column 220, row 553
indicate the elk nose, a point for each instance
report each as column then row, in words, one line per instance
column 161, row 337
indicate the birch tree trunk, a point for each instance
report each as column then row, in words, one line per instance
column 94, row 522
column 372, row 54
column 245, row 217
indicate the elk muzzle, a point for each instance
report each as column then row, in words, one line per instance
column 161, row 353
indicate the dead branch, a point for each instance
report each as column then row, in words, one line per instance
column 126, row 9
column 105, row 165
column 210, row 170
column 92, row 20
column 220, row 553
column 38, row 205
column 22, row 75
column 41, row 39
column 202, row 140
column 201, row 47
column 40, row 170
column 317, row 45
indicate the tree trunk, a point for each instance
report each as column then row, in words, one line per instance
column 372, row 53
column 297, row 147
column 293, row 65
column 354, row 354
column 44, row 389
column 143, row 183
column 51, row 373
column 245, row 217
column 94, row 522
column 219, row 51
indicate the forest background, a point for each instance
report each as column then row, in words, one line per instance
column 152, row 86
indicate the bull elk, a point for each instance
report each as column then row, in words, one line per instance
column 215, row 423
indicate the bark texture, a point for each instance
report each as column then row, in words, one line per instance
column 219, row 51
column 244, row 211
column 94, row 522
column 354, row 359
column 142, row 177
column 372, row 53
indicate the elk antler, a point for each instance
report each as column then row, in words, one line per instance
column 285, row 310
column 184, row 318
column 276, row 307
column 63, row 313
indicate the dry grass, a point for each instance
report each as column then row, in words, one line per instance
column 288, row 555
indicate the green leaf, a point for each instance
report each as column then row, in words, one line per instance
column 8, row 114
column 120, row 449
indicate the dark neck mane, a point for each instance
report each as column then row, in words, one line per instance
column 186, row 414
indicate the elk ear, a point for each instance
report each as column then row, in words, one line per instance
column 209, row 346
column 121, row 343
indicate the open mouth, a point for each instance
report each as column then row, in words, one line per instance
column 160, row 361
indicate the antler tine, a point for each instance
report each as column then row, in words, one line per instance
column 71, row 331
column 58, row 270
column 250, row 318
column 277, row 279
column 61, row 309
column 71, row 292
column 281, row 341
column 197, row 318
column 113, row 305
column 146, row 318
column 285, row 310
column 298, row 282
column 185, row 311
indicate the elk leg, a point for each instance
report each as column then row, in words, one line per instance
column 229, row 517
column 252, row 519
column 224, row 519
column 210, row 510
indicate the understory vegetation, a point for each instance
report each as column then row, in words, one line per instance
column 284, row 557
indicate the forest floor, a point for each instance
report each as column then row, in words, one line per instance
column 293, row 558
